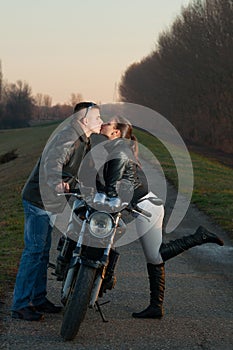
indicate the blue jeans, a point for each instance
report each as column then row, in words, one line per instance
column 31, row 281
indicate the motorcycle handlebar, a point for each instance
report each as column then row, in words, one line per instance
column 76, row 193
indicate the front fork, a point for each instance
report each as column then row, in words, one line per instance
column 96, row 287
column 105, row 261
column 72, row 272
column 74, row 267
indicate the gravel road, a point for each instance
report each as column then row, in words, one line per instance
column 198, row 302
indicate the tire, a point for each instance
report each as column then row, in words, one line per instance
column 77, row 305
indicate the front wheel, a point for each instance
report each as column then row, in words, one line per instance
column 76, row 308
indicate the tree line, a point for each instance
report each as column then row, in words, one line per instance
column 19, row 108
column 188, row 78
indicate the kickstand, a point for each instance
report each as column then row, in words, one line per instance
column 98, row 306
column 51, row 265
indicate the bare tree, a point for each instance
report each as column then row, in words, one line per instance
column 18, row 106
column 75, row 98
column 47, row 101
column 39, row 99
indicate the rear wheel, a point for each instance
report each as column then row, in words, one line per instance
column 78, row 301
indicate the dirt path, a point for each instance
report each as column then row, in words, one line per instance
column 198, row 303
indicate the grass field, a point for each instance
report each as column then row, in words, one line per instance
column 213, row 182
column 28, row 144
column 213, row 190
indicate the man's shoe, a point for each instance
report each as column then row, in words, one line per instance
column 48, row 307
column 28, row 314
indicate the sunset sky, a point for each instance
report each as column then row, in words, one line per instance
column 61, row 47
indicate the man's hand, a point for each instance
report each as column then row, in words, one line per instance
column 63, row 187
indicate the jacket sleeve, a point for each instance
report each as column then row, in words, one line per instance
column 113, row 172
column 57, row 153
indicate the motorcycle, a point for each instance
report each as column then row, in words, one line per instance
column 86, row 265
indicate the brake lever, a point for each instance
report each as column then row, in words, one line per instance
column 78, row 195
column 142, row 211
column 153, row 200
column 139, row 211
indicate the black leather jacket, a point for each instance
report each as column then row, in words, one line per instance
column 121, row 174
column 60, row 160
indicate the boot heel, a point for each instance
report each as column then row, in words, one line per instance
column 149, row 312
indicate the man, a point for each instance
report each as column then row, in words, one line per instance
column 56, row 171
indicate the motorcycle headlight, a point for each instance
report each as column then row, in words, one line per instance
column 101, row 224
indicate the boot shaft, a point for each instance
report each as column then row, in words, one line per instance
column 178, row 246
column 156, row 275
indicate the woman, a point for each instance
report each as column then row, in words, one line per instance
column 123, row 164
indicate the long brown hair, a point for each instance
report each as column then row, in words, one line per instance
column 126, row 130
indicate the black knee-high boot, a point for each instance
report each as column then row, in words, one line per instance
column 156, row 274
column 178, row 246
